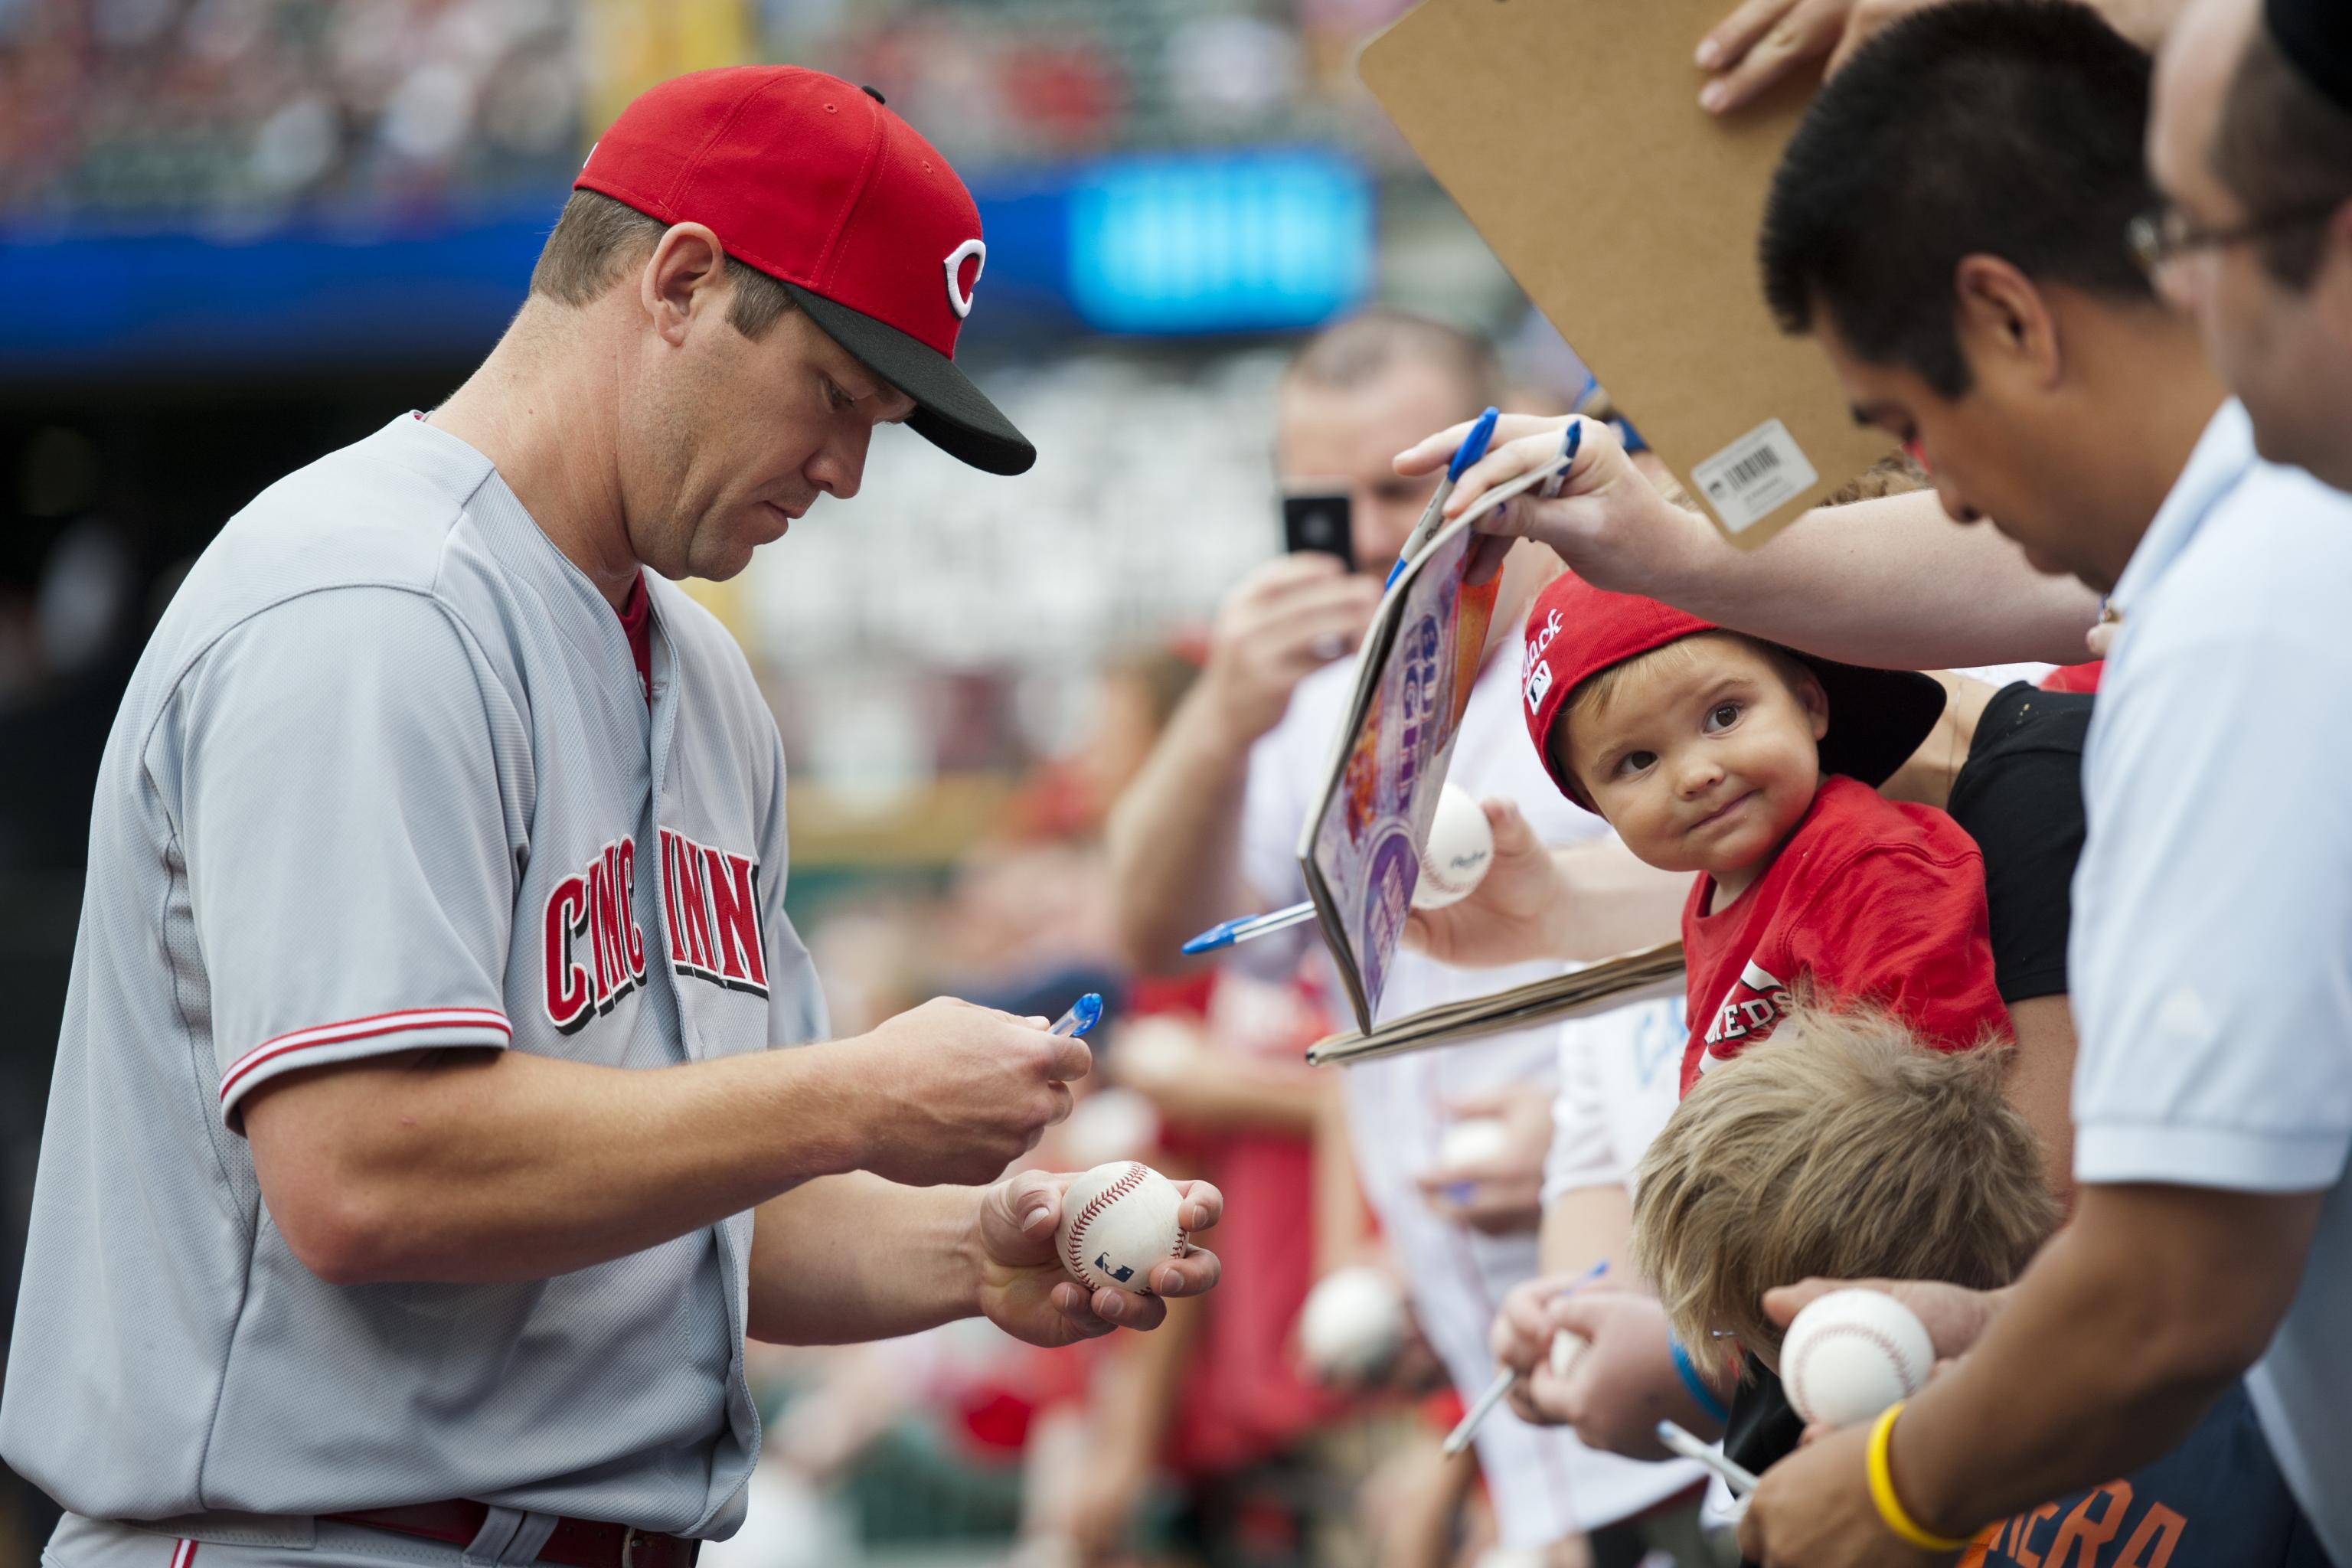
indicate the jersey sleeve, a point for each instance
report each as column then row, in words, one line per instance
column 2212, row 977
column 348, row 825
column 796, row 1009
column 1905, row 929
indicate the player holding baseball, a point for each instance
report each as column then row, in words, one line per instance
column 418, row 1161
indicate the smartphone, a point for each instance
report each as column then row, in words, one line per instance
column 1323, row 523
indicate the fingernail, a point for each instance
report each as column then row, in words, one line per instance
column 1114, row 1308
column 1042, row 1211
column 1706, row 54
column 1169, row 1282
column 1713, row 96
column 1194, row 1217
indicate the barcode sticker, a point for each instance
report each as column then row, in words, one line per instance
column 1752, row 477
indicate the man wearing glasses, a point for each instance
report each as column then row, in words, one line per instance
column 2250, row 143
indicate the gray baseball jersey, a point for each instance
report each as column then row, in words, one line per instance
column 386, row 779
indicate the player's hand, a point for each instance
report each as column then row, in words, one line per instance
column 1764, row 40
column 1624, row 1381
column 1954, row 1316
column 1510, row 916
column 1813, row 1511
column 1025, row 1291
column 954, row 1093
column 1608, row 521
column 1287, row 619
column 1502, row 1193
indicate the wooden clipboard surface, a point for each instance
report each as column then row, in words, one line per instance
column 1570, row 132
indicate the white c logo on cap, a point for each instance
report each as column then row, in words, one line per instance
column 958, row 297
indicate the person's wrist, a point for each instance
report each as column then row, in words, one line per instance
column 972, row 1257
column 1218, row 718
column 1902, row 1509
column 845, row 1071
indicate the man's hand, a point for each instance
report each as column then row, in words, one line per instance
column 1623, row 1383
column 1502, row 1192
column 1764, row 40
column 1024, row 1288
column 1608, row 522
column 954, row 1093
column 1510, row 917
column 1285, row 620
column 1813, row 1509
column 1953, row 1315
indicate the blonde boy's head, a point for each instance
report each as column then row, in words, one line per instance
column 1840, row 1147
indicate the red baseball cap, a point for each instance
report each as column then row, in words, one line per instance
column 817, row 185
column 1877, row 717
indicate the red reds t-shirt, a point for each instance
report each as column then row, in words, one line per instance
column 1870, row 900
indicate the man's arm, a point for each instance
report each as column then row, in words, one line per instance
column 1174, row 838
column 469, row 1167
column 1891, row 582
column 2125, row 1329
column 855, row 1257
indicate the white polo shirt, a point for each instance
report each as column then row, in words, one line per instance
column 2211, row 960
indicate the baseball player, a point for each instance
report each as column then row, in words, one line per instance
column 418, row 1160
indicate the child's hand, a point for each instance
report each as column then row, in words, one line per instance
column 1510, row 917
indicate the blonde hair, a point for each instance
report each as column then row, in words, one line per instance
column 1840, row 1147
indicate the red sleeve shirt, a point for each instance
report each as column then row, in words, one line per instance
column 1869, row 900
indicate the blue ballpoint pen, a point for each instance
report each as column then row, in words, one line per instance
column 1472, row 447
column 1084, row 1015
column 1241, row 928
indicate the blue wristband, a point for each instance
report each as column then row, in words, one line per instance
column 1700, row 1391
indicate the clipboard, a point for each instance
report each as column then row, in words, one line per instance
column 1568, row 131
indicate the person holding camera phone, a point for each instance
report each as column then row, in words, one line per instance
column 1210, row 827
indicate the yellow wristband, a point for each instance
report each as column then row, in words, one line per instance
column 1882, row 1490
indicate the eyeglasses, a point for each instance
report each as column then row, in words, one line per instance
column 2167, row 234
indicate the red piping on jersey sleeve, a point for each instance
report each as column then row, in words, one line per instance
column 413, row 1020
column 184, row 1553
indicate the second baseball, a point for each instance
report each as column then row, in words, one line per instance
column 1852, row 1353
column 1461, row 847
column 1120, row 1221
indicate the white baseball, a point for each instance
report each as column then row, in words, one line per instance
column 1460, row 849
column 1353, row 1323
column 1567, row 1344
column 1852, row 1353
column 1118, row 1222
column 1473, row 1141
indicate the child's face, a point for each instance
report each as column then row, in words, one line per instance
column 1705, row 756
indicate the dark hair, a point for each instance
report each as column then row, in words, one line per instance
column 597, row 238
column 2004, row 127
column 2282, row 146
column 1356, row 351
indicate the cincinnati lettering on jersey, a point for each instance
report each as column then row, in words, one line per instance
column 595, row 954
column 710, row 899
column 1758, row 1001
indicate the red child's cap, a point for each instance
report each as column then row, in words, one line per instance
column 814, row 183
column 1877, row 717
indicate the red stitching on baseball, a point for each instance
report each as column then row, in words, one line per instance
column 1127, row 1182
column 1902, row 1364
